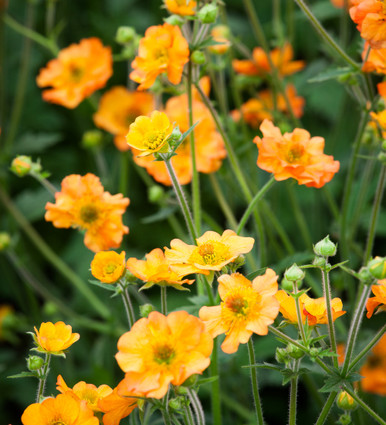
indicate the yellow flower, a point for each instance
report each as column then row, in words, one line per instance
column 150, row 134
column 54, row 337
column 108, row 266
column 181, row 7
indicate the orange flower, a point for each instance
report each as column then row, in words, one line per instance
column 370, row 17
column 160, row 350
column 181, row 7
column 382, row 89
column 83, row 203
column 108, row 266
column 253, row 112
column 247, row 307
column 294, row 155
column 116, row 407
column 376, row 60
column 156, row 270
column 288, row 306
column 296, row 102
column 220, row 34
column 54, row 337
column 118, row 108
column 212, row 252
column 374, row 370
column 380, row 120
column 82, row 391
column 163, row 49
column 338, row 3
column 63, row 410
column 79, row 70
column 379, row 291
column 259, row 65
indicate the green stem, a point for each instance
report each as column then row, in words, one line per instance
column 374, row 215
column 298, row 312
column 188, row 417
column 299, row 216
column 215, row 393
column 42, row 381
column 200, row 416
column 50, row 16
column 331, row 202
column 293, row 396
column 326, row 409
column 227, row 210
column 45, row 183
column 128, row 305
column 365, row 407
column 255, row 386
column 164, row 304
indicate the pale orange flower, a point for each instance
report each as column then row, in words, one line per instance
column 212, row 252
column 82, row 391
column 63, row 409
column 379, row 291
column 160, row 350
column 295, row 155
column 220, row 34
column 246, row 308
column 118, row 108
column 376, row 60
column 181, row 7
column 288, row 306
column 116, row 407
column 259, row 65
column 79, row 70
column 108, row 266
column 338, row 3
column 163, row 49
column 253, row 112
column 156, row 270
column 374, row 370
column 54, row 337
column 83, row 203
column 296, row 102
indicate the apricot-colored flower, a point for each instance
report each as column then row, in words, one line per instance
column 296, row 102
column 246, row 308
column 63, row 409
column 288, row 306
column 163, row 49
column 116, row 407
column 82, row 391
column 259, row 65
column 160, row 350
column 118, row 108
column 54, row 337
column 156, row 270
column 212, row 252
column 181, row 7
column 374, row 370
column 379, row 291
column 253, row 112
column 294, row 155
column 108, row 266
column 83, row 203
column 79, row 70
column 220, row 34
column 375, row 60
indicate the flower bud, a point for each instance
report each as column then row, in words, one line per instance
column 125, row 35
column 50, row 308
column 155, row 194
column 146, row 309
column 344, row 419
column 237, row 263
column 208, row 14
column 34, row 363
column 382, row 157
column 294, row 351
column 92, row 139
column 5, row 241
column 325, row 248
column 198, row 57
column 175, row 20
column 314, row 352
column 345, row 401
column 286, row 284
column 365, row 276
column 319, row 261
column 294, row 273
column 181, row 390
column 175, row 137
column 377, row 267
column 21, row 165
column 281, row 355
column 176, row 403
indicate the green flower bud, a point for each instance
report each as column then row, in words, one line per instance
column 125, row 35
column 319, row 261
column 146, row 309
column 181, row 390
column 177, row 403
column 294, row 351
column 198, row 57
column 294, row 273
column 175, row 137
column 325, row 248
column 208, row 14
column 175, row 20
column 345, row 401
column 365, row 276
column 281, row 355
column 382, row 157
column 377, row 267
column 5, row 241
column 344, row 419
column 21, row 165
column 237, row 263
column 92, row 139
column 34, row 363
column 314, row 352
column 155, row 194
column 50, row 308
column 286, row 284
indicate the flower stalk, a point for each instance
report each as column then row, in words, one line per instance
column 128, row 304
column 43, row 377
column 255, row 386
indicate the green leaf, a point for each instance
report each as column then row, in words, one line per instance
column 332, row 74
column 160, row 215
column 264, row 365
column 35, row 142
column 24, row 375
column 207, row 380
column 289, row 374
column 256, row 273
column 31, row 203
column 109, row 287
column 332, row 383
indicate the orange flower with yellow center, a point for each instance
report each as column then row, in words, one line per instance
column 296, row 102
column 374, row 370
column 212, row 252
column 181, row 7
column 79, row 70
column 163, row 49
column 116, row 407
column 156, row 270
column 247, row 307
column 108, row 266
column 118, row 108
column 82, row 391
column 253, row 112
column 295, row 155
column 61, row 410
column 259, row 65
column 375, row 60
column 379, row 291
column 160, row 350
column 54, row 337
column 83, row 203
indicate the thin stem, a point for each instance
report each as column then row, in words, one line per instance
column 188, row 416
column 293, row 395
column 298, row 312
column 164, row 304
column 331, row 202
column 128, row 305
column 365, row 407
column 227, row 210
column 50, row 16
column 200, row 416
column 215, row 386
column 42, row 381
column 326, row 409
column 255, row 386
column 45, row 183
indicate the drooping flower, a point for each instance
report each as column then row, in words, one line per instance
column 160, row 350
column 374, row 370
column 116, row 407
column 54, row 337
column 87, row 392
column 84, row 204
column 295, row 155
column 108, row 266
column 379, row 291
column 181, row 7
column 375, row 60
column 259, row 65
column 63, row 409
column 156, row 270
column 246, row 308
column 118, row 108
column 220, row 34
column 79, row 71
column 163, row 49
column 212, row 252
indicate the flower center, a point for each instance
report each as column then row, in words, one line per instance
column 294, row 154
column 164, row 354
column 237, row 305
column 210, row 253
column 58, row 422
column 154, row 140
column 110, row 268
column 88, row 213
column 76, row 73
column 89, row 395
column 161, row 55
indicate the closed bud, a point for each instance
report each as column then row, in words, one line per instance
column 365, row 276
column 345, row 401
column 146, row 309
column 21, row 165
column 237, row 263
column 125, row 35
column 175, row 20
column 294, row 273
column 50, row 308
column 5, row 241
column 34, row 363
column 294, row 351
column 344, row 419
column 208, row 14
column 156, row 194
column 177, row 403
column 92, row 139
column 377, row 267
column 181, row 390
column 281, row 355
column 198, row 57
column 325, row 248
column 319, row 261
column 175, row 137
column 314, row 352
column 286, row 284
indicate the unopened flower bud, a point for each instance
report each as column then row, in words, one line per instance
column 314, row 352
column 181, row 390
column 155, row 194
column 377, row 267
column 325, row 248
column 175, row 20
column 286, row 284
column 198, row 57
column 294, row 351
column 208, row 14
column 146, row 309
column 21, row 165
column 5, row 241
column 92, row 139
column 344, row 419
column 125, row 35
column 50, row 308
column 319, row 261
column 177, row 403
column 365, row 276
column 34, row 363
column 237, row 263
column 175, row 137
column 345, row 401
column 294, row 273
column 281, row 355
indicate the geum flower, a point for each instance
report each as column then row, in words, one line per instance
column 54, row 338
column 118, row 108
column 374, row 370
column 160, row 350
column 64, row 409
column 79, row 70
column 212, row 252
column 181, row 7
column 108, row 266
column 246, row 308
column 295, row 155
column 116, row 407
column 379, row 291
column 162, row 50
column 375, row 59
column 156, row 270
column 83, row 203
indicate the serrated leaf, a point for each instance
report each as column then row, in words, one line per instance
column 318, row 338
column 331, row 74
column 24, row 375
column 289, row 374
column 35, row 142
column 107, row 286
column 332, row 383
column 160, row 215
